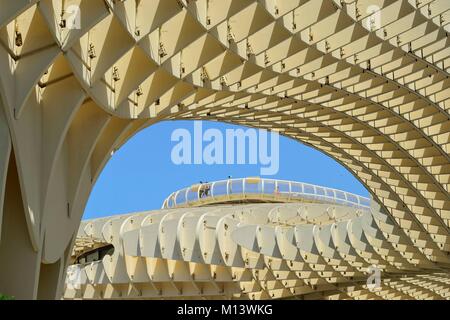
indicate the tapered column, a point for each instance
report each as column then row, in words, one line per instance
column 19, row 262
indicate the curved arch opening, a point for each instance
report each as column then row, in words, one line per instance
column 142, row 174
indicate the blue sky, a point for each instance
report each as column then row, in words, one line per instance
column 141, row 174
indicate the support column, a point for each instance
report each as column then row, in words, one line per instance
column 19, row 262
column 49, row 280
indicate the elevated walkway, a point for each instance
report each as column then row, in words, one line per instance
column 260, row 190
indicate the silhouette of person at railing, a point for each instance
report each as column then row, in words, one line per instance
column 207, row 189
column 200, row 190
column 204, row 190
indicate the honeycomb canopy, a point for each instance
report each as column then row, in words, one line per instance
column 365, row 82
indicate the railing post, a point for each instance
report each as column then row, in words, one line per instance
column 175, row 199
column 290, row 190
column 346, row 199
column 212, row 189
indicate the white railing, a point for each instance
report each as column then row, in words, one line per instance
column 259, row 187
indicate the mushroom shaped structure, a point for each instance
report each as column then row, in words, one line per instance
column 366, row 82
column 253, row 245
